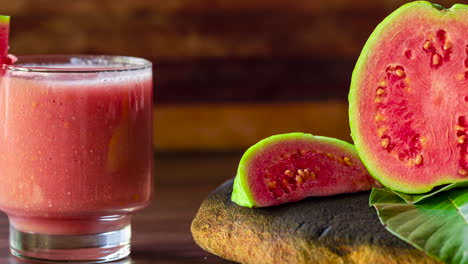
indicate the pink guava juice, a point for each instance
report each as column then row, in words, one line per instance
column 75, row 143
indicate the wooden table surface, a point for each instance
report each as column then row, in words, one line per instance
column 161, row 232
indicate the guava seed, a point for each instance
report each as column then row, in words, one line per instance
column 271, row 185
column 312, row 175
column 381, row 131
column 435, row 59
column 347, row 161
column 447, row 45
column 299, row 179
column 385, row 142
column 400, row 73
column 379, row 117
column 427, row 45
column 418, row 160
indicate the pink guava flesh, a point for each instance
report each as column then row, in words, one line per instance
column 409, row 99
column 289, row 170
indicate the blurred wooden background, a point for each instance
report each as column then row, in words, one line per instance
column 227, row 73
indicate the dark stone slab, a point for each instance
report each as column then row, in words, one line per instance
column 336, row 229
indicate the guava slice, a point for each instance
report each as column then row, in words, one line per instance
column 408, row 102
column 4, row 33
column 290, row 167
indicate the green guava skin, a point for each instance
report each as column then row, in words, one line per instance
column 4, row 19
column 241, row 194
column 458, row 11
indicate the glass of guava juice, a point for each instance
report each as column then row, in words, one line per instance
column 75, row 154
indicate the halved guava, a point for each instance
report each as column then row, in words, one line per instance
column 290, row 167
column 4, row 32
column 408, row 102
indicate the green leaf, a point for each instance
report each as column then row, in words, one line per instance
column 384, row 196
column 459, row 199
column 415, row 198
column 436, row 224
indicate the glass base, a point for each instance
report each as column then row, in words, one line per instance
column 93, row 248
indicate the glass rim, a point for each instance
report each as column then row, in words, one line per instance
column 99, row 63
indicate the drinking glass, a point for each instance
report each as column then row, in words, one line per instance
column 75, row 154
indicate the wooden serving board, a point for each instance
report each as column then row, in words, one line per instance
column 335, row 229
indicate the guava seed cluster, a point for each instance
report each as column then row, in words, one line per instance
column 298, row 170
column 403, row 139
column 462, row 144
column 438, row 47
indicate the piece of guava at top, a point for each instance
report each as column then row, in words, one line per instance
column 400, row 130
column 416, row 198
